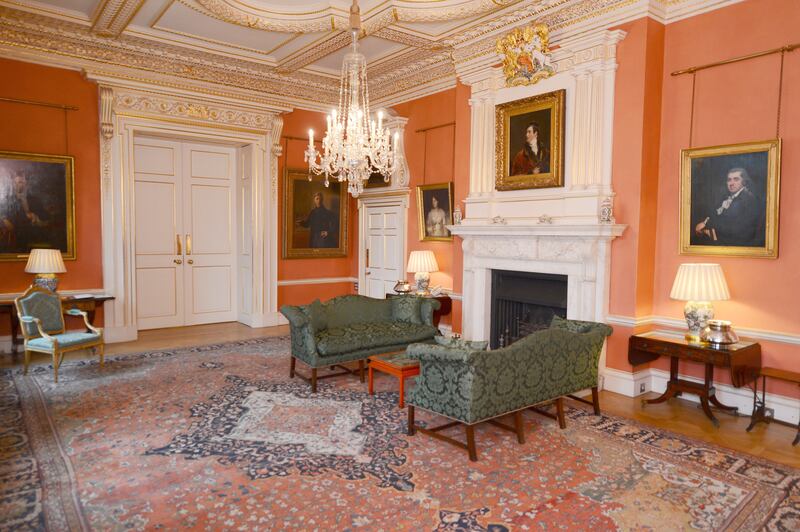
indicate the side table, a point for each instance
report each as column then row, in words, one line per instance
column 759, row 405
column 742, row 358
column 397, row 365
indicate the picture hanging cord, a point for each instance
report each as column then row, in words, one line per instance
column 66, row 133
column 780, row 97
column 691, row 115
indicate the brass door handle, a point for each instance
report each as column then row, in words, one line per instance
column 177, row 261
column 180, row 247
column 190, row 261
column 188, row 244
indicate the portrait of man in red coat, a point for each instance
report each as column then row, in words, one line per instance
column 534, row 157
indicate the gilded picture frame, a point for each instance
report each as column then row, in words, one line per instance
column 730, row 197
column 435, row 211
column 314, row 217
column 521, row 125
column 37, row 204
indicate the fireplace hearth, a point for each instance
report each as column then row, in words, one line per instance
column 523, row 303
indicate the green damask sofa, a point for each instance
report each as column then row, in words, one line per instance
column 470, row 386
column 351, row 328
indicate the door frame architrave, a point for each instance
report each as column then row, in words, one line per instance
column 119, row 127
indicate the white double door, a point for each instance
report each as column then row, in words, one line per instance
column 385, row 243
column 185, row 227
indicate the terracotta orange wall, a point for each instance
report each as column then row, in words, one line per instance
column 296, row 124
column 736, row 103
column 635, row 160
column 35, row 129
column 439, row 155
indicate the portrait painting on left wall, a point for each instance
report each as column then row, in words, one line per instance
column 314, row 217
column 37, row 207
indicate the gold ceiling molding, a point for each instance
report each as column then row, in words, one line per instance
column 253, row 14
column 112, row 16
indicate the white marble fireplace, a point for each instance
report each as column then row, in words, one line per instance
column 555, row 230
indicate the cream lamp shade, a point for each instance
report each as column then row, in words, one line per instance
column 422, row 261
column 45, row 261
column 698, row 284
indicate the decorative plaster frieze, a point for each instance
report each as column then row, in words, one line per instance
column 113, row 16
column 192, row 110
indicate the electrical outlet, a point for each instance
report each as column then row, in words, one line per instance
column 642, row 388
column 355, row 286
column 769, row 413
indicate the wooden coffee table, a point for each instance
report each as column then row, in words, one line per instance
column 397, row 365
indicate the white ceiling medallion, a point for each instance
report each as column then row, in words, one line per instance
column 354, row 146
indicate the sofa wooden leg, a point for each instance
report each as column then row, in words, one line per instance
column 562, row 423
column 473, row 452
column 411, row 429
column 291, row 367
column 361, row 370
column 313, row 380
column 520, row 426
column 596, row 400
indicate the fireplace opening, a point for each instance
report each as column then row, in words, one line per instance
column 523, row 303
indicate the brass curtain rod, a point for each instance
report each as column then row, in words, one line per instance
column 787, row 48
column 43, row 104
column 434, row 127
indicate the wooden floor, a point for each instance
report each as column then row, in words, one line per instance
column 772, row 442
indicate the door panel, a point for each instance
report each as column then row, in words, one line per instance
column 209, row 221
column 385, row 244
column 212, row 218
column 158, row 213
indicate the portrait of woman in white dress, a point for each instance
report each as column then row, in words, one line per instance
column 436, row 213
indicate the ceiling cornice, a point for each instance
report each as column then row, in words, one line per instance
column 424, row 68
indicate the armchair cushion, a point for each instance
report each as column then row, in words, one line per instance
column 331, row 342
column 64, row 340
column 578, row 326
column 452, row 341
column 407, row 309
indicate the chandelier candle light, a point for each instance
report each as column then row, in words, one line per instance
column 354, row 147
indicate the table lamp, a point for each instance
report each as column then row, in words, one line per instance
column 45, row 263
column 698, row 285
column 421, row 264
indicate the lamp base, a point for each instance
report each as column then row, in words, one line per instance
column 697, row 314
column 423, row 279
column 46, row 280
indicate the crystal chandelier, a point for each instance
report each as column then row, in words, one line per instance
column 354, row 147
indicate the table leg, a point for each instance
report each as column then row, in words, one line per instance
column 712, row 396
column 14, row 333
column 759, row 406
column 671, row 390
column 369, row 386
column 90, row 314
column 402, row 391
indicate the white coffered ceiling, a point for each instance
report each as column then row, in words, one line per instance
column 287, row 51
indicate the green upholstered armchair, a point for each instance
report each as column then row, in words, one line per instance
column 474, row 386
column 42, row 322
column 351, row 328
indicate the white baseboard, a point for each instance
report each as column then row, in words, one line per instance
column 269, row 319
column 786, row 409
column 115, row 335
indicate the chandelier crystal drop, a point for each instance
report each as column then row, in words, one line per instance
column 354, row 147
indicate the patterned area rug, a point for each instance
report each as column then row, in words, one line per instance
column 218, row 437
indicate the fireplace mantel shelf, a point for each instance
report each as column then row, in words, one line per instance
column 557, row 230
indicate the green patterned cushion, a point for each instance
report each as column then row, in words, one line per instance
column 351, row 309
column 571, row 325
column 407, row 308
column 460, row 343
column 337, row 341
column 318, row 315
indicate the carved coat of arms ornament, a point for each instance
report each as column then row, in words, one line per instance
column 526, row 58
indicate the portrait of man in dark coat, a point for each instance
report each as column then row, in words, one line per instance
column 322, row 223
column 737, row 218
